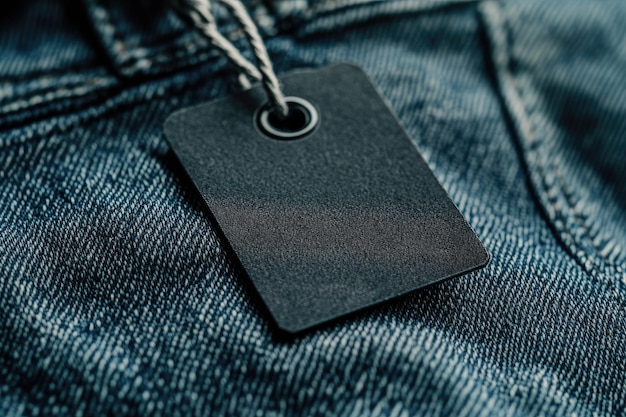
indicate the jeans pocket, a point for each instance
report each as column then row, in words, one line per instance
column 562, row 81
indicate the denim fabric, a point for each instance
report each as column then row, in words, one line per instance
column 117, row 297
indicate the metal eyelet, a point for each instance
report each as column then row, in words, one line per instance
column 302, row 119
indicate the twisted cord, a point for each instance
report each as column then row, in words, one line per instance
column 268, row 76
column 200, row 14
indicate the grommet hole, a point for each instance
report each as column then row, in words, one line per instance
column 301, row 120
column 296, row 120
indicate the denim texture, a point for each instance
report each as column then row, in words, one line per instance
column 117, row 296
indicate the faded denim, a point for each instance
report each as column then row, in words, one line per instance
column 118, row 298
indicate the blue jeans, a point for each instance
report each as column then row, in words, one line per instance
column 117, row 297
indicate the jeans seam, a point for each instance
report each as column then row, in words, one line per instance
column 51, row 83
column 77, row 69
column 44, row 96
column 516, row 104
column 130, row 60
column 133, row 61
column 110, row 104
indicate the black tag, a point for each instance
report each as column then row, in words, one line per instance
column 345, row 217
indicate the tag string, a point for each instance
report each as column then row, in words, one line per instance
column 200, row 14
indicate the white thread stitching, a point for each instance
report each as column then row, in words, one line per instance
column 528, row 128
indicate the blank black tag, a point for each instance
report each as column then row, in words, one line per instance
column 336, row 221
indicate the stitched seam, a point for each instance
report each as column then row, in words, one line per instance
column 53, row 84
column 103, row 20
column 51, row 96
column 191, row 46
column 163, row 59
column 527, row 127
column 76, row 69
column 192, row 43
column 134, row 60
column 140, row 59
column 111, row 104
column 583, row 222
column 166, row 60
column 130, row 58
column 557, row 185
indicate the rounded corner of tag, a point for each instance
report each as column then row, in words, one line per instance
column 172, row 121
column 486, row 259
